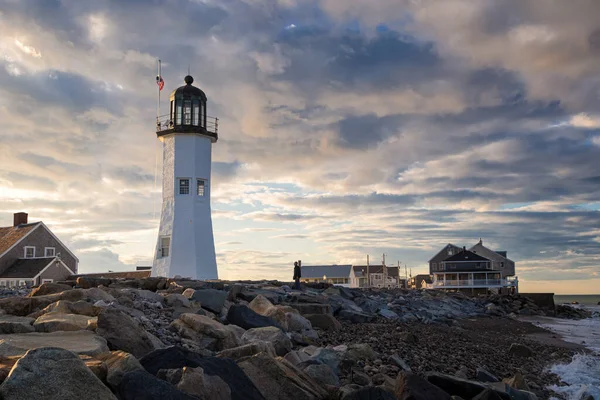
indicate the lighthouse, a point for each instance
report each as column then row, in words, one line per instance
column 185, row 246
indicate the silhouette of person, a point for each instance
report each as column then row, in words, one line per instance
column 297, row 275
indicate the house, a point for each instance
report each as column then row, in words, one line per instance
column 420, row 281
column 380, row 276
column 30, row 254
column 477, row 270
column 339, row 275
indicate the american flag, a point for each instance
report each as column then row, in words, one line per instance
column 160, row 82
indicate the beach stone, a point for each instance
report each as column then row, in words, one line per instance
column 124, row 333
column 244, row 317
column 118, row 363
column 296, row 357
column 356, row 317
column 311, row 308
column 194, row 382
column 455, row 386
column 412, row 387
column 227, row 336
column 322, row 374
column 98, row 368
column 188, row 293
column 297, row 323
column 11, row 324
column 248, row 350
column 234, row 291
column 79, row 342
column 146, row 295
column 399, row 362
column 84, row 308
column 210, row 299
column 360, row 352
column 49, row 288
column 95, row 294
column 54, row 371
column 326, row 356
column 520, row 350
column 241, row 387
column 516, row 382
column 484, row 376
column 260, row 305
column 141, row 385
column 177, row 300
column 370, row 393
column 277, row 379
column 280, row 341
column 85, row 282
column 54, row 321
column 488, row 394
column 326, row 322
column 360, row 378
column 388, row 314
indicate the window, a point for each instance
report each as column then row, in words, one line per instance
column 165, row 243
column 187, row 112
column 201, row 184
column 434, row 266
column 47, row 280
column 49, row 252
column 196, row 113
column 502, row 264
column 178, row 115
column 22, row 283
column 13, row 283
column 184, row 186
column 3, row 283
column 450, row 251
column 29, row 252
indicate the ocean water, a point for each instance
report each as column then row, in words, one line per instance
column 582, row 374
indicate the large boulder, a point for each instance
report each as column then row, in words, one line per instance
column 86, row 282
column 327, row 322
column 260, row 305
column 520, row 350
column 371, row 393
column 53, row 373
column 123, row 333
column 11, row 324
column 196, row 383
column 225, row 336
column 177, row 300
column 54, row 321
column 356, row 317
column 312, row 308
column 141, row 385
column 177, row 357
column 79, row 342
column 49, row 288
column 244, row 317
column 280, row 341
column 210, row 299
column 248, row 350
column 118, row 363
column 277, row 379
column 412, row 387
column 455, row 386
column 322, row 374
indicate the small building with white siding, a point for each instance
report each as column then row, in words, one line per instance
column 339, row 275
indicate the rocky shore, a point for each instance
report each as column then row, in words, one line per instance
column 182, row 339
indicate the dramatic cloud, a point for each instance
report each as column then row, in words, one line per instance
column 347, row 128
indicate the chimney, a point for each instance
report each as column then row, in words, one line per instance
column 20, row 218
column 464, row 248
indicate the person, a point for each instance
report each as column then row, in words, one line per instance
column 297, row 275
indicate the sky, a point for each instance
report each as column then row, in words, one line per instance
column 347, row 128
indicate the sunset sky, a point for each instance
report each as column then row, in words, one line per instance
column 347, row 128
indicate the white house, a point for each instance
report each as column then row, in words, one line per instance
column 339, row 275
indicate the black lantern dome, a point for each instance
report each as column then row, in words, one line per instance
column 187, row 113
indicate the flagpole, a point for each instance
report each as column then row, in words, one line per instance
column 158, row 104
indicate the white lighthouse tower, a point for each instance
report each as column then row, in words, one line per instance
column 185, row 244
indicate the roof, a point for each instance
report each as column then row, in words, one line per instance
column 26, row 267
column 480, row 249
column 11, row 235
column 188, row 90
column 444, row 248
column 392, row 271
column 331, row 271
column 373, row 269
column 466, row 255
column 423, row 277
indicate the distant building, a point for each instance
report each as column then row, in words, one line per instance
column 30, row 254
column 354, row 276
column 477, row 270
column 340, row 275
column 419, row 282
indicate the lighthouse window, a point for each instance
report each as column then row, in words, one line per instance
column 201, row 184
column 196, row 112
column 178, row 115
column 165, row 244
column 187, row 112
column 184, row 186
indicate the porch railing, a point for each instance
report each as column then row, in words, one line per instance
column 474, row 283
column 165, row 123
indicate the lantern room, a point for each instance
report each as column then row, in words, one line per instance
column 187, row 113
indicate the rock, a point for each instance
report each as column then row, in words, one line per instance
column 312, row 308
column 412, row 387
column 96, row 294
column 177, row 300
column 356, row 317
column 123, row 333
column 280, row 341
column 61, row 306
column 194, row 382
column 49, row 288
column 210, row 299
column 260, row 305
column 11, row 324
column 400, row 363
column 54, row 372
column 516, row 382
column 84, row 308
column 360, row 378
column 54, row 321
column 408, row 337
column 484, row 376
column 297, row 323
column 455, row 386
column 326, row 322
column 98, row 368
column 279, row 316
column 463, row 372
column 322, row 374
column 509, row 393
column 488, row 394
column 177, row 357
column 85, row 282
column 328, row 357
column 244, row 317
column 370, row 393
column 79, row 342
column 188, row 293
column 388, row 314
column 234, row 291
column 360, row 352
column 227, row 336
column 296, row 357
column 145, row 295
column 140, row 385
column 248, row 350
column 520, row 350
column 118, row 364
column 277, row 379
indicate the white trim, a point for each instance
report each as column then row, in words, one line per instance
column 49, row 265
column 46, row 252
column 61, row 243
column 3, row 282
column 20, row 240
column 25, row 251
column 47, row 281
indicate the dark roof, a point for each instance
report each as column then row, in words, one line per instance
column 392, row 271
column 188, row 90
column 426, row 278
column 466, row 255
column 373, row 269
column 331, row 271
column 12, row 234
column 26, row 267
column 503, row 253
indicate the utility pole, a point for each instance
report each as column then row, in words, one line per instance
column 398, row 283
column 368, row 277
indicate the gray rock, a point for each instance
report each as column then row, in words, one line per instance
column 410, row 386
column 53, row 373
column 520, row 350
column 53, row 321
column 360, row 378
column 140, row 385
column 196, row 383
column 311, row 308
column 322, row 374
column 244, row 317
column 400, row 363
column 326, row 322
column 370, row 393
column 388, row 314
column 11, row 324
column 280, row 341
column 210, row 299
column 484, row 376
column 177, row 300
column 124, row 333
column 455, row 386
column 356, row 317
column 248, row 350
column 79, row 342
column 118, row 363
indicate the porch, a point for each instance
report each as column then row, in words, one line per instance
column 472, row 280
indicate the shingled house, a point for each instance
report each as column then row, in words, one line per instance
column 30, row 254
